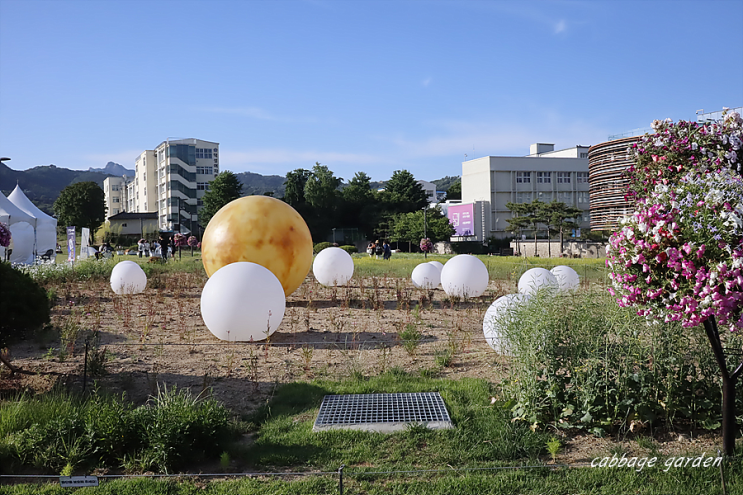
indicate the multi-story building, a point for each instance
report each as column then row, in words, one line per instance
column 546, row 174
column 170, row 181
column 114, row 189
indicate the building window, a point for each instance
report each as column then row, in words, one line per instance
column 523, row 197
column 545, row 197
column 202, row 186
column 583, row 197
column 115, row 200
column 523, row 177
column 544, row 177
column 563, row 177
column 116, row 211
column 565, row 197
column 205, row 170
column 199, row 202
column 582, row 178
column 115, row 187
column 203, row 153
column 584, row 155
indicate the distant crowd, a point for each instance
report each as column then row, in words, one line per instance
column 379, row 249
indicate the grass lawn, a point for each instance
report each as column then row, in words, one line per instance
column 463, row 458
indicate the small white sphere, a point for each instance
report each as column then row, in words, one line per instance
column 127, row 277
column 464, row 276
column 243, row 301
column 333, row 267
column 567, row 278
column 498, row 314
column 537, row 278
column 439, row 265
column 426, row 276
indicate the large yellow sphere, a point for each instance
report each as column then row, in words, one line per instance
column 262, row 230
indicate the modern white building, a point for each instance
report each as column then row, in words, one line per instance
column 546, row 174
column 169, row 180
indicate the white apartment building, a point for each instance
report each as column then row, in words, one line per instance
column 114, row 189
column 170, row 181
column 545, row 174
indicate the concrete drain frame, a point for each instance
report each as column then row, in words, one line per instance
column 383, row 413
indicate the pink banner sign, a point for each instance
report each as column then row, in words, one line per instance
column 462, row 218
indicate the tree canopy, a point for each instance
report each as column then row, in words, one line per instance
column 83, row 205
column 403, row 193
column 224, row 188
column 408, row 227
column 455, row 190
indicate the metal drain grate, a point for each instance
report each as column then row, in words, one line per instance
column 382, row 412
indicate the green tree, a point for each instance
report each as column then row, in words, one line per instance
column 294, row 188
column 528, row 215
column 359, row 207
column 409, row 227
column 454, row 191
column 403, row 193
column 560, row 217
column 224, row 188
column 83, row 205
column 321, row 188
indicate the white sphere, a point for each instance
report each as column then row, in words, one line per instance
column 242, row 301
column 439, row 265
column 332, row 267
column 537, row 278
column 464, row 276
column 499, row 313
column 426, row 276
column 127, row 277
column 567, row 278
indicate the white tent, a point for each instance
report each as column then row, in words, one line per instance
column 22, row 227
column 46, row 226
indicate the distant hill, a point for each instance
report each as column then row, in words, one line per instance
column 256, row 184
column 43, row 184
column 113, row 169
column 443, row 184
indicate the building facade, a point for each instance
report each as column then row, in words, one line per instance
column 545, row 174
column 170, row 181
column 606, row 165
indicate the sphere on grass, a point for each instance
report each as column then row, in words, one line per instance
column 535, row 279
column 333, row 267
column 426, row 276
column 500, row 313
column 464, row 276
column 567, row 278
column 242, row 302
column 439, row 265
column 127, row 277
column 262, row 230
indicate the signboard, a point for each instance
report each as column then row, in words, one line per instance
column 77, row 481
column 462, row 218
column 71, row 243
column 84, row 242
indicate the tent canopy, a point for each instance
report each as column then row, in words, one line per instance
column 10, row 213
column 46, row 226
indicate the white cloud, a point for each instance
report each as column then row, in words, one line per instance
column 272, row 159
column 256, row 113
column 560, row 26
column 426, row 81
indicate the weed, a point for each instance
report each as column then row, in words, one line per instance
column 307, row 351
column 224, row 461
column 444, row 357
column 553, row 447
column 410, row 338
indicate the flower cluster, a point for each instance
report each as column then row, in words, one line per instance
column 4, row 235
column 681, row 252
column 193, row 241
column 426, row 245
column 677, row 148
column 180, row 240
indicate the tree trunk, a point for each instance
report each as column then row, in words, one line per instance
column 562, row 249
column 549, row 242
column 729, row 426
column 535, row 241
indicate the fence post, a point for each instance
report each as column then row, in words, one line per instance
column 85, row 366
column 340, row 479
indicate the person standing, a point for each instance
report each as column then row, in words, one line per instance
column 378, row 249
column 140, row 247
column 387, row 250
column 164, row 243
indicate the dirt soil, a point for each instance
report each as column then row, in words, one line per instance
column 159, row 339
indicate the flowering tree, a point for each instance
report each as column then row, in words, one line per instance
column 426, row 246
column 180, row 241
column 4, row 235
column 680, row 254
column 193, row 242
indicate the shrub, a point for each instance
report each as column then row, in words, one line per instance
column 320, row 246
column 582, row 361
column 350, row 249
column 24, row 305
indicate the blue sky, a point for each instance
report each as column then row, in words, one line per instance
column 372, row 86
